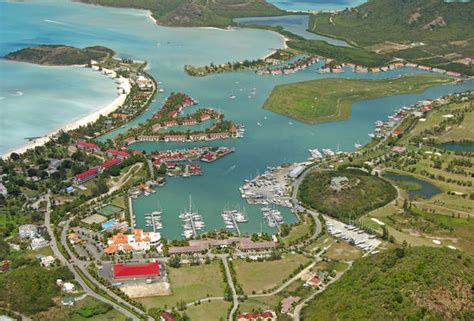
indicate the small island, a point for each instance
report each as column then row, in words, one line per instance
column 330, row 99
column 60, row 55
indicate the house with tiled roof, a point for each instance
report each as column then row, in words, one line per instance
column 257, row 316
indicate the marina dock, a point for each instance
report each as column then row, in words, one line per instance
column 130, row 210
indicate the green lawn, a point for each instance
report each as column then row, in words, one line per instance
column 189, row 283
column 331, row 99
column 298, row 231
column 214, row 310
column 259, row 276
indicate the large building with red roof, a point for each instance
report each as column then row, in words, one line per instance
column 87, row 175
column 112, row 152
column 88, row 147
column 134, row 271
column 110, row 163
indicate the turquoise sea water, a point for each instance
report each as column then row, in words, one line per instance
column 132, row 34
column 36, row 100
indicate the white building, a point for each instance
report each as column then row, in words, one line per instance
column 68, row 287
column 38, row 242
column 46, row 261
column 28, row 231
column 3, row 190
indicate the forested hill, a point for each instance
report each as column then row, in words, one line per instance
column 404, row 284
column 430, row 32
column 196, row 13
column 60, row 55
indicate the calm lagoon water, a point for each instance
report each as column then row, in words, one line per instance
column 427, row 190
column 132, row 34
column 296, row 24
column 316, row 5
column 458, row 147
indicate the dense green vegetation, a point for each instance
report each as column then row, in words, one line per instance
column 96, row 309
column 330, row 99
column 30, row 289
column 403, row 284
column 354, row 55
column 217, row 13
column 60, row 55
column 359, row 194
column 430, row 32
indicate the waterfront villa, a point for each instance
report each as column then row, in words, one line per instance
column 138, row 241
column 198, row 136
column 136, row 271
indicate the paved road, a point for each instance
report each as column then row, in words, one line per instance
column 83, row 267
column 60, row 256
column 299, row 307
column 235, row 298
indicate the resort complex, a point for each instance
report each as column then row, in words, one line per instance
column 271, row 161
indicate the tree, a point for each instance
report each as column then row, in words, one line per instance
column 175, row 262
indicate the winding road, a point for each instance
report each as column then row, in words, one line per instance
column 78, row 278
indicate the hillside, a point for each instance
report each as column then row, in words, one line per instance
column 345, row 194
column 404, row 284
column 196, row 13
column 430, row 32
column 60, row 55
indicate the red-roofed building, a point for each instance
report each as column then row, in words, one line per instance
column 261, row 316
column 116, row 153
column 166, row 316
column 87, row 175
column 110, row 163
column 133, row 271
column 87, row 147
column 396, row 132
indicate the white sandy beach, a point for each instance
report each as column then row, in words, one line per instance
column 105, row 110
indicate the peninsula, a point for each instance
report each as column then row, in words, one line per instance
column 60, row 55
column 330, row 99
column 200, row 13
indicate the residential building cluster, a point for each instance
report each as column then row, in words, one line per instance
column 35, row 234
column 116, row 156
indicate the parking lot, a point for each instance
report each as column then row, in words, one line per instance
column 349, row 233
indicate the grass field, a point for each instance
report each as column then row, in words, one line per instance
column 189, row 283
column 331, row 99
column 214, row 310
column 259, row 276
column 342, row 251
column 299, row 230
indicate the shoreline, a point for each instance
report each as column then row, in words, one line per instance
column 285, row 46
column 74, row 124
